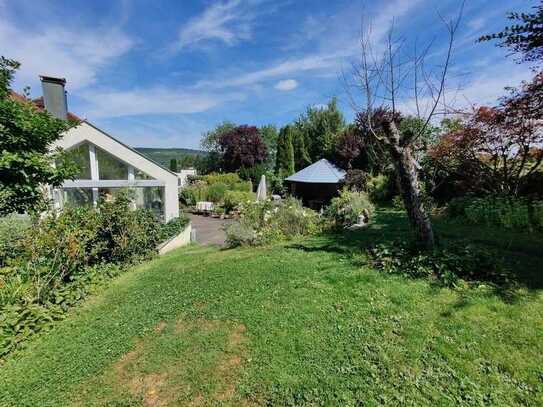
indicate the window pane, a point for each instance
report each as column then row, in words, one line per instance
column 110, row 167
column 80, row 155
column 151, row 198
column 109, row 194
column 78, row 196
column 138, row 174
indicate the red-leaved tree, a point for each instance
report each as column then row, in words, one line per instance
column 241, row 147
column 498, row 148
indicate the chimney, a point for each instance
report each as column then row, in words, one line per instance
column 54, row 96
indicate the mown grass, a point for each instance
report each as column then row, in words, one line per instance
column 301, row 323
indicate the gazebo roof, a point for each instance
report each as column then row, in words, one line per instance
column 321, row 172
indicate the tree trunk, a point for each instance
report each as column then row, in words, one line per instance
column 406, row 170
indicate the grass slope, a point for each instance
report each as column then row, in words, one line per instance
column 301, row 323
column 164, row 155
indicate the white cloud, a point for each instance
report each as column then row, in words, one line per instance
column 287, row 84
column 228, row 22
column 157, row 100
column 477, row 23
column 75, row 54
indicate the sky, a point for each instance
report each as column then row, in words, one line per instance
column 160, row 73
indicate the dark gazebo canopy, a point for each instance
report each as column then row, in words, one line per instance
column 316, row 184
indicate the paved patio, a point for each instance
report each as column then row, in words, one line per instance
column 208, row 229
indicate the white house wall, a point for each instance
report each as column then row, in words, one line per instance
column 86, row 132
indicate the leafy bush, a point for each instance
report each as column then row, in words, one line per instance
column 265, row 222
column 172, row 228
column 233, row 199
column 504, row 212
column 356, row 180
column 378, row 188
column 215, row 192
column 12, row 231
column 193, row 193
column 63, row 256
column 448, row 265
column 240, row 233
column 213, row 188
column 345, row 209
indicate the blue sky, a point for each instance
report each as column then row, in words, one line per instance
column 159, row 73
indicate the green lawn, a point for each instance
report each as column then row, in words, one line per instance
column 301, row 323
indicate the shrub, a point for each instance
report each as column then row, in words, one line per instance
column 213, row 188
column 356, row 180
column 265, row 222
column 378, row 188
column 12, row 231
column 193, row 193
column 172, row 228
column 448, row 265
column 125, row 235
column 63, row 256
column 504, row 212
column 240, row 233
column 345, row 209
column 233, row 199
column 228, row 178
column 215, row 192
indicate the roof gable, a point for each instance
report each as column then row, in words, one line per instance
column 86, row 132
column 321, row 172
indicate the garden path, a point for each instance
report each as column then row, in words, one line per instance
column 208, row 230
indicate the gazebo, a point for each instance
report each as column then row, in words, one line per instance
column 317, row 184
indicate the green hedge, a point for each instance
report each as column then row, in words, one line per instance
column 504, row 212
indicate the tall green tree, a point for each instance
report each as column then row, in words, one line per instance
column 26, row 160
column 173, row 165
column 285, row 153
column 269, row 136
column 301, row 156
column 320, row 128
column 210, row 143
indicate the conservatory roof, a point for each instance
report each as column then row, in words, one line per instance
column 321, row 172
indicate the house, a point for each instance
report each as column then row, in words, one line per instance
column 106, row 165
column 316, row 184
column 184, row 176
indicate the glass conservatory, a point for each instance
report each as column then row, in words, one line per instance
column 106, row 167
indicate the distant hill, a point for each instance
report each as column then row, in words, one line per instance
column 164, row 155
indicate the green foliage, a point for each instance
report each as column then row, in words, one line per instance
column 13, row 229
column 284, row 165
column 212, row 187
column 26, row 135
column 270, row 135
column 172, row 228
column 216, row 191
column 62, row 256
column 173, row 165
column 356, row 180
column 301, row 155
column 233, row 199
column 320, row 128
column 210, row 139
column 379, row 188
column 505, row 212
column 254, row 173
column 266, row 222
column 448, row 265
column 362, row 337
column 345, row 209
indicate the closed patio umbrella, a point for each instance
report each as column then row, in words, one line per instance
column 261, row 190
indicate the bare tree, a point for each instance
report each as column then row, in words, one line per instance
column 383, row 79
